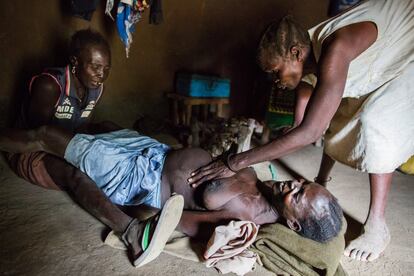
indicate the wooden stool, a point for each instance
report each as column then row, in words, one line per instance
column 184, row 116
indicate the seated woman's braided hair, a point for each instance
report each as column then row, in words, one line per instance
column 85, row 37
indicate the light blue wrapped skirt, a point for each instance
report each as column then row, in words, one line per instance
column 125, row 165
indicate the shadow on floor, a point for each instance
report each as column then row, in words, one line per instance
column 289, row 170
column 354, row 228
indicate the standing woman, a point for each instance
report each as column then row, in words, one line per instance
column 364, row 63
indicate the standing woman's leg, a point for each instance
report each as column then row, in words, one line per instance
column 325, row 169
column 384, row 143
column 374, row 133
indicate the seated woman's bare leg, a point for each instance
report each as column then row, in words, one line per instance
column 54, row 140
column 49, row 139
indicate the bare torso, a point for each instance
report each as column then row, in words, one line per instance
column 178, row 165
column 238, row 196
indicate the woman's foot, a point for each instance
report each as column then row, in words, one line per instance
column 371, row 243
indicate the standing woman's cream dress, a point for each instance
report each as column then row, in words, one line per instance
column 373, row 129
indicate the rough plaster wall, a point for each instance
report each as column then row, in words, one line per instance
column 208, row 36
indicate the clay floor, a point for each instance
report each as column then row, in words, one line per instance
column 44, row 233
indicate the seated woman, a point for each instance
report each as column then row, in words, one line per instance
column 67, row 97
column 132, row 170
column 64, row 97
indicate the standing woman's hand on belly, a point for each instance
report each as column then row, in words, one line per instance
column 216, row 169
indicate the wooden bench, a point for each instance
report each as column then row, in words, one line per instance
column 182, row 107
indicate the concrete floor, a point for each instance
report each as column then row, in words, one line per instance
column 43, row 232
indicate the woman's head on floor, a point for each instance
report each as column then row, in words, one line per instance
column 90, row 58
column 308, row 208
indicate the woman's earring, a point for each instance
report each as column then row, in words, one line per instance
column 73, row 70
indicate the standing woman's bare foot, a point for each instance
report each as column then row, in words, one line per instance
column 371, row 243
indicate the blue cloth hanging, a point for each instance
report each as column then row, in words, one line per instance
column 126, row 19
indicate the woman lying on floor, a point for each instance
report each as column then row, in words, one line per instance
column 132, row 170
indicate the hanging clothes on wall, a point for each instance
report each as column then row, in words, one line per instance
column 129, row 12
column 156, row 16
column 108, row 8
column 83, row 9
column 337, row 6
column 126, row 18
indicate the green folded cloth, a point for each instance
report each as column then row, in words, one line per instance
column 284, row 252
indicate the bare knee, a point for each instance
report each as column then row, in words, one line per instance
column 30, row 140
column 52, row 139
column 42, row 133
column 40, row 136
